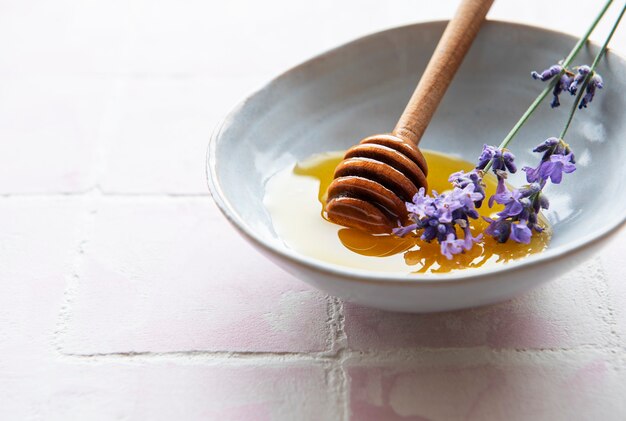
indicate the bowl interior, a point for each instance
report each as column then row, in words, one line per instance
column 359, row 89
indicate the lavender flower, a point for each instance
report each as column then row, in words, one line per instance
column 571, row 81
column 557, row 159
column 595, row 82
column 462, row 179
column 555, row 168
column 486, row 155
column 547, row 144
column 501, row 190
column 467, row 196
column 532, row 174
column 562, row 85
column 547, row 74
column 469, row 240
column 500, row 229
column 582, row 72
column 509, row 198
column 401, row 231
column 422, row 204
column 521, row 206
column 502, row 159
column 519, row 216
column 451, row 245
column 439, row 216
column 520, row 232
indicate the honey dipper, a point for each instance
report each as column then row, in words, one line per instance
column 382, row 172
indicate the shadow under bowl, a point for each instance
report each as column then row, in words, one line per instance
column 331, row 101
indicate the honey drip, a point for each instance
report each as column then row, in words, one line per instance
column 295, row 198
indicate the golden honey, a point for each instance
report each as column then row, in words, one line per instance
column 295, row 199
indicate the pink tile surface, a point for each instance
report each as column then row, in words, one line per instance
column 63, row 37
column 545, row 389
column 614, row 262
column 568, row 312
column 167, row 122
column 184, row 280
column 49, row 145
column 38, row 241
column 122, row 96
column 165, row 35
column 166, row 391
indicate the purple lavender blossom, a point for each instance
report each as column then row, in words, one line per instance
column 532, row 174
column 501, row 191
column 562, row 85
column 570, row 82
column 422, row 204
column 520, row 232
column 462, row 179
column 521, row 206
column 555, row 168
column 503, row 160
column 486, row 155
column 468, row 239
column 467, row 196
column 595, row 82
column 543, row 202
column 500, row 229
column 451, row 245
column 557, row 159
column 440, row 216
column 582, row 72
column 512, row 201
column 547, row 144
column 519, row 218
column 401, row 231
column 547, row 74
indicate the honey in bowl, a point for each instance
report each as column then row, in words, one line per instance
column 295, row 198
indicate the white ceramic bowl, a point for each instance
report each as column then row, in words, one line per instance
column 359, row 89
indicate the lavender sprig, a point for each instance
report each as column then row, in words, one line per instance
column 445, row 217
column 597, row 82
column 570, row 57
column 569, row 81
column 521, row 206
column 557, row 157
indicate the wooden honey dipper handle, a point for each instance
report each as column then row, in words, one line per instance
column 379, row 175
column 449, row 53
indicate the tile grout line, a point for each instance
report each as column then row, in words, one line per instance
column 209, row 357
column 610, row 318
column 73, row 279
column 331, row 324
column 342, row 350
column 336, row 376
column 92, row 195
column 408, row 355
column 600, row 286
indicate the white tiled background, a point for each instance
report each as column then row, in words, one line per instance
column 116, row 301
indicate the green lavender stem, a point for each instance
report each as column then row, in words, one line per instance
column 544, row 93
column 592, row 67
column 581, row 90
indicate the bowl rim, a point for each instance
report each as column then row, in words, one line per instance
column 388, row 278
